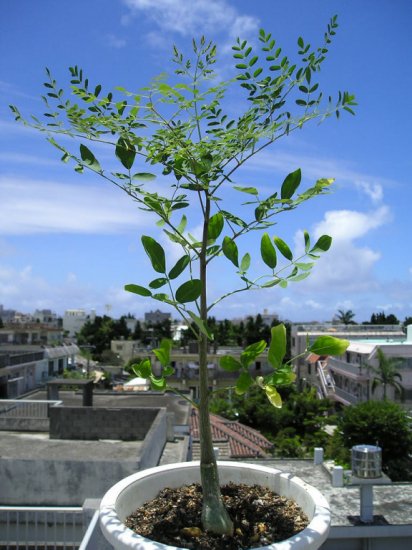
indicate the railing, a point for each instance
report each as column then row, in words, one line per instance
column 346, row 396
column 26, row 408
column 327, row 382
column 347, row 328
column 40, row 528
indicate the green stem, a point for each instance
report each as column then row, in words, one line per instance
column 215, row 517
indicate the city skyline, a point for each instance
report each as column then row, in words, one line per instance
column 69, row 241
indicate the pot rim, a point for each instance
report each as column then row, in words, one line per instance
column 111, row 523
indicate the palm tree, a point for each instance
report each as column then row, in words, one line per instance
column 387, row 375
column 345, row 317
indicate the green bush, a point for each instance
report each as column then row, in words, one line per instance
column 382, row 423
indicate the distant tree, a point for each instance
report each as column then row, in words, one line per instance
column 100, row 332
column 407, row 321
column 345, row 317
column 387, row 375
column 383, row 319
column 255, row 330
column 120, row 329
column 137, row 332
column 294, row 429
column 153, row 333
column 1, row 323
column 376, row 422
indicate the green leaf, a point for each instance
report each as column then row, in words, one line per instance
column 322, row 244
column 155, row 252
column 201, row 325
column 307, row 241
column 163, row 352
column 300, row 277
column 328, row 345
column 283, row 248
column 230, row 250
column 229, row 363
column 245, row 262
column 305, row 266
column 143, row 369
column 267, row 251
column 158, row 384
column 126, row 152
column 89, row 159
column 179, row 267
column 189, row 291
column 243, row 383
column 273, row 395
column 157, row 283
column 216, row 224
column 182, row 225
column 137, row 289
column 290, row 184
column 249, row 190
column 145, row 176
column 168, row 371
column 251, row 352
column 282, row 377
column 277, row 347
column 234, row 219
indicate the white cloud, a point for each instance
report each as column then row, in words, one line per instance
column 373, row 190
column 192, row 18
column 347, row 267
column 347, row 225
column 30, row 206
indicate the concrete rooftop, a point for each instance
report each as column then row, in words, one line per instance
column 392, row 501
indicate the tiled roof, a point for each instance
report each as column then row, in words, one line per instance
column 244, row 442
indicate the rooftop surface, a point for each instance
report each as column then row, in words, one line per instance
column 392, row 501
column 36, row 446
column 173, row 404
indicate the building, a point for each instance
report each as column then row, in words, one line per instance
column 7, row 315
column 303, row 335
column 47, row 317
column 155, row 317
column 269, row 318
column 30, row 333
column 25, row 368
column 75, row 319
column 348, row 379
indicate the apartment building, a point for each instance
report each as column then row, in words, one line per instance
column 348, row 379
column 25, row 368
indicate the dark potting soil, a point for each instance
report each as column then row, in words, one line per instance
column 260, row 517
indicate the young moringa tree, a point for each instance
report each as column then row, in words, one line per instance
column 185, row 126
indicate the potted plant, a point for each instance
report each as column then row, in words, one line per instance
column 186, row 127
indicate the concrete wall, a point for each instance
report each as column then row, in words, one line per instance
column 370, row 537
column 58, row 482
column 15, row 424
column 69, row 482
column 154, row 442
column 89, row 423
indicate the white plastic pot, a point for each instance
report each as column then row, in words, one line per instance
column 132, row 492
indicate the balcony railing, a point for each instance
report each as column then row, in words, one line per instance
column 41, row 528
column 26, row 408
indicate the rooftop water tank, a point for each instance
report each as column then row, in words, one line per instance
column 367, row 461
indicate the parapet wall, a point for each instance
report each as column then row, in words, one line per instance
column 38, row 472
column 93, row 423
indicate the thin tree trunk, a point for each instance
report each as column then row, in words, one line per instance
column 214, row 515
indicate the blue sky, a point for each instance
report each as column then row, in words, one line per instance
column 71, row 241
